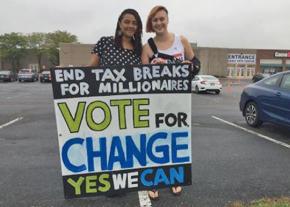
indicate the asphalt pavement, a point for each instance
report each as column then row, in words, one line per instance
column 228, row 163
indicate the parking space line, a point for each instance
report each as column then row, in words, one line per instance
column 144, row 199
column 11, row 122
column 252, row 132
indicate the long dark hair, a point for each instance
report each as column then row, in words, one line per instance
column 136, row 41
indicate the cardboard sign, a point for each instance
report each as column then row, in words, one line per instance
column 123, row 128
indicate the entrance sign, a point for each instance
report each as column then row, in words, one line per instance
column 123, row 128
column 242, row 59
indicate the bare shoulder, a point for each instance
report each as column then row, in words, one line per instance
column 146, row 49
column 145, row 54
column 146, row 46
column 183, row 39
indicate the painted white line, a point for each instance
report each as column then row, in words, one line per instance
column 252, row 132
column 11, row 122
column 144, row 199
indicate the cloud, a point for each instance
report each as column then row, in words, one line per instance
column 210, row 23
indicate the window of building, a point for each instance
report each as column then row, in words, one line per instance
column 271, row 69
column 34, row 67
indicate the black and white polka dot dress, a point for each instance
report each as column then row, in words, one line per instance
column 111, row 55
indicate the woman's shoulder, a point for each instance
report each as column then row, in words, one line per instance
column 147, row 49
column 106, row 39
column 183, row 39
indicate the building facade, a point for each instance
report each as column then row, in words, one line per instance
column 30, row 60
column 222, row 62
column 273, row 61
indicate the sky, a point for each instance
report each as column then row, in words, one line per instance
column 257, row 24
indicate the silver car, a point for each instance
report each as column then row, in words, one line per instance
column 27, row 75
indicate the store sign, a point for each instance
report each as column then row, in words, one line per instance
column 282, row 54
column 242, row 59
column 123, row 128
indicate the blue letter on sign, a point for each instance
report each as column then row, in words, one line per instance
column 92, row 154
column 176, row 147
column 143, row 177
column 65, row 158
column 162, row 148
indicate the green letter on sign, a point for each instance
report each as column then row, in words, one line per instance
column 91, row 183
column 106, row 184
column 73, row 123
column 76, row 185
column 139, row 113
column 121, row 110
column 107, row 116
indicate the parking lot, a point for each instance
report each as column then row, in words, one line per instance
column 230, row 161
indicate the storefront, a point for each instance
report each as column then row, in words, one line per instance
column 241, row 65
column 271, row 66
column 287, row 64
column 272, row 61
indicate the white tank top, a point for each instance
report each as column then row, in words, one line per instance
column 176, row 50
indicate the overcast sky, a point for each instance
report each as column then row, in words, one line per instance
column 259, row 24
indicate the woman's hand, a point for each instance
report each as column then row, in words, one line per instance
column 158, row 61
column 187, row 61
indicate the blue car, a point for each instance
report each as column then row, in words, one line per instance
column 267, row 100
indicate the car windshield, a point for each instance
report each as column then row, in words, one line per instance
column 4, row 72
column 24, row 71
column 209, row 78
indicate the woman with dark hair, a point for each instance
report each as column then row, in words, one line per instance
column 122, row 49
column 125, row 47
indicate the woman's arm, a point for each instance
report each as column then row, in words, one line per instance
column 145, row 54
column 190, row 57
column 95, row 60
column 188, row 52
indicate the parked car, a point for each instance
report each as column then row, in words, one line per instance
column 259, row 76
column 27, row 75
column 267, row 101
column 45, row 76
column 206, row 83
column 7, row 75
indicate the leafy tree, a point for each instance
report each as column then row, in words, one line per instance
column 53, row 40
column 37, row 43
column 13, row 47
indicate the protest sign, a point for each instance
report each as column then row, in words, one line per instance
column 123, row 128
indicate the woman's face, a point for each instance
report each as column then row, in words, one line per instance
column 160, row 22
column 128, row 25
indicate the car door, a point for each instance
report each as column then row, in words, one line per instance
column 284, row 95
column 268, row 99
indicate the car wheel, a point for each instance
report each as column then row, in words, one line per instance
column 196, row 89
column 252, row 114
column 217, row 92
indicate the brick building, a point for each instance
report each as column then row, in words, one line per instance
column 223, row 62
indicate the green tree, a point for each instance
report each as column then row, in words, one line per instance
column 13, row 48
column 53, row 40
column 37, row 43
